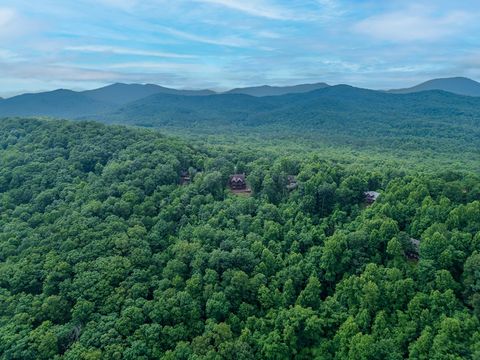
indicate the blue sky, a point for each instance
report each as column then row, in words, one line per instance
column 220, row 44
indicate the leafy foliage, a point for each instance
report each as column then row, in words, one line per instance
column 103, row 255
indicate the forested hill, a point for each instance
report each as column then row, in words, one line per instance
column 337, row 115
column 267, row 90
column 58, row 103
column 435, row 121
column 456, row 85
column 104, row 255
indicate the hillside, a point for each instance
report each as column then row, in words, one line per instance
column 341, row 115
column 58, row 103
column 104, row 255
column 72, row 104
column 124, row 93
column 190, row 111
column 337, row 115
column 267, row 90
column 456, row 85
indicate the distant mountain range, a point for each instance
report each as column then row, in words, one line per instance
column 267, row 90
column 57, row 103
column 456, row 85
column 342, row 114
column 72, row 104
column 434, row 119
column 68, row 103
column 125, row 93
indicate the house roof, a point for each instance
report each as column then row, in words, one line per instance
column 372, row 194
column 415, row 242
column 237, row 178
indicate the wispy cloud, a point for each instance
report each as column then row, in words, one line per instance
column 126, row 51
column 231, row 41
column 255, row 8
column 7, row 55
column 6, row 16
column 163, row 66
column 413, row 24
column 12, row 24
column 122, row 4
column 227, row 43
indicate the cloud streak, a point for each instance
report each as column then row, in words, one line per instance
column 230, row 41
column 254, row 8
column 113, row 50
column 413, row 24
column 227, row 43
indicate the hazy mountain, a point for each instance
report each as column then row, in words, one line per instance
column 456, row 85
column 334, row 113
column 339, row 113
column 72, row 104
column 267, row 90
column 187, row 110
column 57, row 103
column 124, row 93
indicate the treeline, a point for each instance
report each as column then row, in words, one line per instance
column 104, row 255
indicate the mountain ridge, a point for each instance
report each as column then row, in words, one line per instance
column 57, row 103
column 121, row 93
column 268, row 90
column 323, row 113
column 456, row 85
column 336, row 114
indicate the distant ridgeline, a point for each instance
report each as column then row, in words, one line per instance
column 434, row 120
column 121, row 243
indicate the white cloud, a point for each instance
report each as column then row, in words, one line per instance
column 255, row 8
column 122, row 4
column 412, row 24
column 163, row 66
column 6, row 16
column 8, row 55
column 126, row 51
column 232, row 41
column 14, row 25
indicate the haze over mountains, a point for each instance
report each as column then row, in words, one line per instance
column 456, row 85
column 267, row 90
column 342, row 113
column 124, row 93
column 339, row 113
column 120, row 97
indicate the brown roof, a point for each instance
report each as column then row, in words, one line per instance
column 237, row 178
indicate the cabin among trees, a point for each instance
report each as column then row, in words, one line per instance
column 238, row 184
column 291, row 182
column 414, row 251
column 184, row 177
column 371, row 196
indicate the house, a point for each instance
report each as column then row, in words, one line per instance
column 184, row 177
column 371, row 196
column 413, row 252
column 237, row 182
column 291, row 182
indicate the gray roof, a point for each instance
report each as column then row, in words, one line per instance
column 415, row 242
column 372, row 194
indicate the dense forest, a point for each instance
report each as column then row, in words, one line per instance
column 105, row 255
column 434, row 122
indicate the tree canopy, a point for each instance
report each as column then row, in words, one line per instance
column 105, row 255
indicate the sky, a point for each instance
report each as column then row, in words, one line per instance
column 221, row 44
